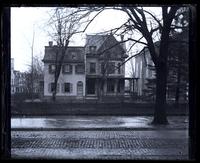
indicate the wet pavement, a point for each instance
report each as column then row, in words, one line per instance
column 95, row 122
column 150, row 145
column 99, row 137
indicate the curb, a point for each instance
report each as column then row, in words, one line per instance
column 95, row 129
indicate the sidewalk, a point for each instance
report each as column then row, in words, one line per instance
column 97, row 123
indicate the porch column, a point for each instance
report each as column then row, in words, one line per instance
column 115, row 88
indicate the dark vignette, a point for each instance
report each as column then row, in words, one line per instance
column 5, row 68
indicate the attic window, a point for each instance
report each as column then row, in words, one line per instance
column 92, row 49
column 74, row 56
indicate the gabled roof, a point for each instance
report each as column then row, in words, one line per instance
column 104, row 44
column 77, row 51
column 95, row 40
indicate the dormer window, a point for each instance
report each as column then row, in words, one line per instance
column 74, row 56
column 52, row 68
column 92, row 49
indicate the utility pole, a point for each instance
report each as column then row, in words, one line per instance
column 32, row 65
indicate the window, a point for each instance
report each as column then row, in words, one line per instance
column 102, row 68
column 80, row 69
column 111, row 67
column 52, row 87
column 92, row 49
column 110, row 86
column 52, row 68
column 92, row 67
column 67, row 87
column 118, row 86
column 67, row 69
column 73, row 55
column 119, row 68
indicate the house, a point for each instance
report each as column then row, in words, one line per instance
column 145, row 70
column 71, row 82
column 19, row 82
column 88, row 72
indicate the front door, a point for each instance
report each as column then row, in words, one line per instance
column 90, row 84
column 80, row 89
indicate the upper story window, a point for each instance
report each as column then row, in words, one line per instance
column 73, row 55
column 80, row 69
column 111, row 67
column 103, row 68
column 67, row 68
column 52, row 69
column 92, row 67
column 92, row 49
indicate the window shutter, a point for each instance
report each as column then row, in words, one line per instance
column 63, row 87
column 49, row 87
column 70, row 68
column 71, row 87
column 57, row 89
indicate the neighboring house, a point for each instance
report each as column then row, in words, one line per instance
column 144, row 66
column 143, row 62
column 19, row 81
column 71, row 82
column 88, row 72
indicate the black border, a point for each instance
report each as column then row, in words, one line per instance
column 5, row 65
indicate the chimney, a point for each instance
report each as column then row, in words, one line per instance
column 50, row 43
column 123, row 44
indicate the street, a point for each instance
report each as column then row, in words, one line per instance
column 99, row 137
column 162, row 144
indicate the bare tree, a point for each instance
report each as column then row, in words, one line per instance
column 148, row 28
column 33, row 75
column 66, row 22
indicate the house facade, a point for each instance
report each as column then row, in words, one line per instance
column 143, row 70
column 88, row 72
column 71, row 82
column 177, row 68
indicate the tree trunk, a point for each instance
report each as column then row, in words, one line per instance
column 178, row 83
column 54, row 96
column 160, row 116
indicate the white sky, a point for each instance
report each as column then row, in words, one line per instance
column 25, row 20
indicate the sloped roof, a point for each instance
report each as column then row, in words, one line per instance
column 102, row 40
column 78, row 52
column 105, row 44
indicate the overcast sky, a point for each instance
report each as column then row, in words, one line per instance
column 25, row 20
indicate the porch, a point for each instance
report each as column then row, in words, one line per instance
column 109, row 89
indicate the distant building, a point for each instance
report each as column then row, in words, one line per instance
column 145, row 70
column 19, row 82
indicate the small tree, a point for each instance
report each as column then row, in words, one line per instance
column 33, row 76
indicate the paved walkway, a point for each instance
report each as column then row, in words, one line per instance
column 96, row 122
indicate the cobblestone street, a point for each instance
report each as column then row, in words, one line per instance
column 155, row 144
